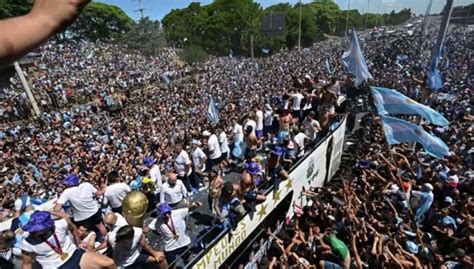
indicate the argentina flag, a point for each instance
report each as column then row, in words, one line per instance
column 398, row 131
column 212, row 113
column 388, row 101
column 354, row 61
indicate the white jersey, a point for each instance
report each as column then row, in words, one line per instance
column 82, row 201
column 44, row 254
column 178, row 221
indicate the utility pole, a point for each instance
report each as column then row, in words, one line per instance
column 140, row 9
column 27, row 89
column 367, row 14
column 251, row 46
column 347, row 17
column 425, row 19
column 299, row 27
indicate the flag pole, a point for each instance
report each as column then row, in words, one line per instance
column 347, row 16
column 410, row 210
column 448, row 8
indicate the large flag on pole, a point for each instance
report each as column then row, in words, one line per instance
column 389, row 101
column 212, row 113
column 398, row 131
column 433, row 77
column 354, row 61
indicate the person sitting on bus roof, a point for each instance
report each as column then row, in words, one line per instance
column 231, row 210
column 249, row 191
column 276, row 172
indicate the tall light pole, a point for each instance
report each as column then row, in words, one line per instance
column 347, row 16
column 299, row 27
column 367, row 13
column 425, row 19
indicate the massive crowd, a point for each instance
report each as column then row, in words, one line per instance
column 160, row 142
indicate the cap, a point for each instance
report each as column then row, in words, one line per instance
column 148, row 161
column 411, row 246
column 196, row 142
column 252, row 168
column 448, row 200
column 428, row 186
column 71, row 180
column 163, row 208
column 206, row 133
column 39, row 221
column 277, row 150
column 364, row 164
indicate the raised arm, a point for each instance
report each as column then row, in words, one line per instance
column 22, row 34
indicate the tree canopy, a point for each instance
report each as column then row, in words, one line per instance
column 145, row 36
column 226, row 25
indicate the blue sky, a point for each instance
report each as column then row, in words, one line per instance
column 156, row 9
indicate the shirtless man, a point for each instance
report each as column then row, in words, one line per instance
column 251, row 140
column 284, row 122
column 248, row 190
column 328, row 99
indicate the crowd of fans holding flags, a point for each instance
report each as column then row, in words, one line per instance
column 399, row 207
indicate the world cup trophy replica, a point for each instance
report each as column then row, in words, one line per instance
column 134, row 208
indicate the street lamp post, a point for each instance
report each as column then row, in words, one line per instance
column 299, row 27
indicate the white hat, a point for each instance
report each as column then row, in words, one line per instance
column 428, row 186
column 206, row 133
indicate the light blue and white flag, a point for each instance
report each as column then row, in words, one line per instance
column 389, row 101
column 433, row 77
column 265, row 51
column 212, row 113
column 398, row 131
column 328, row 67
column 354, row 61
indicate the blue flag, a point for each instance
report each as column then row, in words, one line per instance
column 389, row 101
column 433, row 77
column 354, row 61
column 265, row 51
column 212, row 113
column 398, row 131
column 328, row 67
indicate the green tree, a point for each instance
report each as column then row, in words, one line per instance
column 145, row 36
column 13, row 8
column 100, row 21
